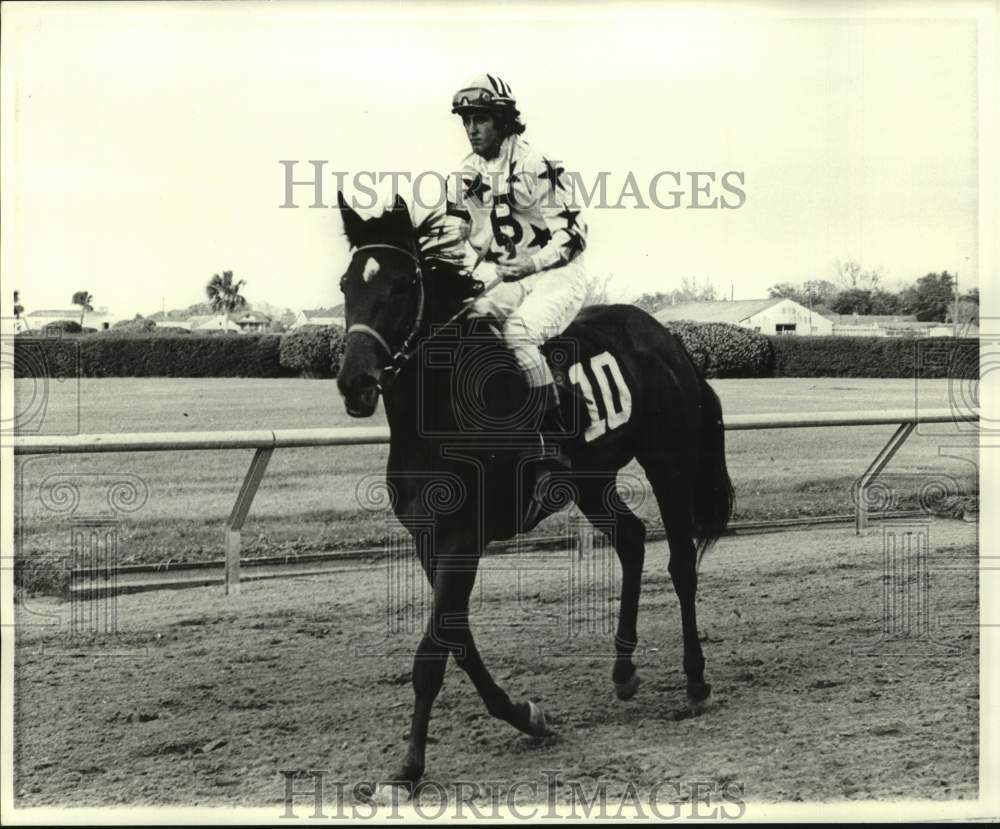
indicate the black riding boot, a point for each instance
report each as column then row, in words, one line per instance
column 549, row 461
column 555, row 433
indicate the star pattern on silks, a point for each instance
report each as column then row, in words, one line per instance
column 492, row 256
column 542, row 237
column 552, row 172
column 570, row 217
column 574, row 244
column 512, row 177
column 476, row 187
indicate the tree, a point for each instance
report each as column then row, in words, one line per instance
column 931, row 298
column 139, row 323
column 812, row 293
column 884, row 302
column 84, row 300
column 689, row 291
column 968, row 312
column 19, row 323
column 597, row 289
column 853, row 301
column 652, row 302
column 850, row 274
column 224, row 296
column 199, row 309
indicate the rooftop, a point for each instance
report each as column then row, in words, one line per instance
column 869, row 319
column 734, row 311
column 336, row 311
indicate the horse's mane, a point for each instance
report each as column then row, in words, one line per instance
column 450, row 281
column 439, row 250
column 442, row 264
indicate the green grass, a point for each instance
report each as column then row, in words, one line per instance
column 308, row 499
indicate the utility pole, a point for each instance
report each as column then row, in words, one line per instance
column 955, row 315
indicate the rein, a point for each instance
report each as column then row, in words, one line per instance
column 399, row 358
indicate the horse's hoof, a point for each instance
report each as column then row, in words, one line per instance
column 537, row 726
column 626, row 690
column 391, row 794
column 700, row 706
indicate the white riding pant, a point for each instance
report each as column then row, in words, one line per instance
column 534, row 309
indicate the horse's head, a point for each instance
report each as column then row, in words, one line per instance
column 383, row 296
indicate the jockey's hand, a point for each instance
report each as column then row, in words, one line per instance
column 516, row 269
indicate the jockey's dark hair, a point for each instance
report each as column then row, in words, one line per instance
column 508, row 122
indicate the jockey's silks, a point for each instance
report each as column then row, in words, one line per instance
column 521, row 204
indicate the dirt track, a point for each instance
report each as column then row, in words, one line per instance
column 201, row 700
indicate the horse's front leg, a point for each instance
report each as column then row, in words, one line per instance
column 525, row 716
column 448, row 632
column 451, row 601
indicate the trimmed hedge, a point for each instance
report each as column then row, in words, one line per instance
column 136, row 324
column 133, row 354
column 721, row 349
column 313, row 350
column 62, row 327
column 927, row 357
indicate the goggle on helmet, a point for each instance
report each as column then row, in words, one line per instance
column 486, row 92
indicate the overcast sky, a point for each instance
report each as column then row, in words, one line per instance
column 142, row 143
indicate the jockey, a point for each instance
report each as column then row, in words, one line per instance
column 520, row 216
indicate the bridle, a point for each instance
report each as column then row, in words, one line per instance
column 398, row 358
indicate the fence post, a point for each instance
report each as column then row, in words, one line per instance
column 876, row 466
column 258, row 466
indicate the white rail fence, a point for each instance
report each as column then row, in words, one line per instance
column 265, row 443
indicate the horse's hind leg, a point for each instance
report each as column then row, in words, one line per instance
column 604, row 508
column 675, row 502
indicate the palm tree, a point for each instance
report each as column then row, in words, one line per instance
column 224, row 295
column 84, row 300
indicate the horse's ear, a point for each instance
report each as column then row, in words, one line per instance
column 400, row 217
column 352, row 221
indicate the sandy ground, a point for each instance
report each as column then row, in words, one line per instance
column 202, row 699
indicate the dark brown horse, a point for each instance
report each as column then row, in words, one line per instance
column 460, row 414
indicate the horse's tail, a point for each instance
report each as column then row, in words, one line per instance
column 713, row 495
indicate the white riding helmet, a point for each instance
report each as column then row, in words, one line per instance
column 484, row 92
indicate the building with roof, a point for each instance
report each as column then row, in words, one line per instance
column 320, row 316
column 899, row 325
column 253, row 322
column 212, row 322
column 786, row 316
column 780, row 316
column 99, row 319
